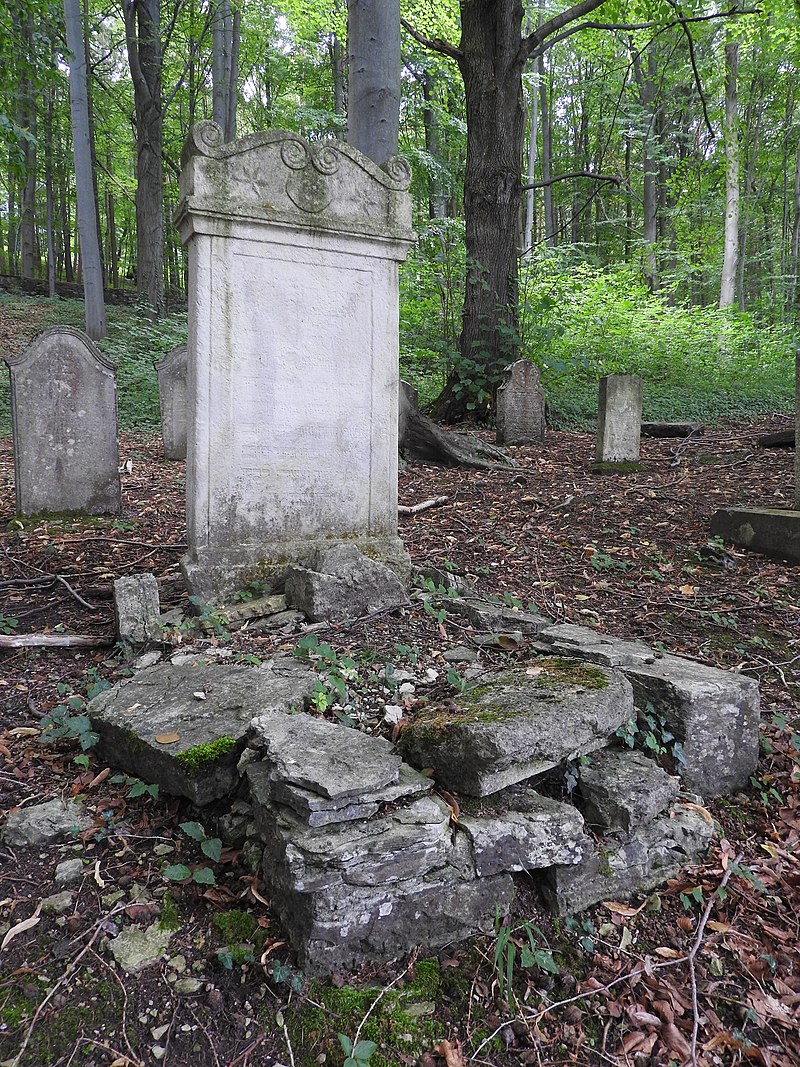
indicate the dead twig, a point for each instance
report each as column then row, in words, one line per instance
column 414, row 509
column 54, row 641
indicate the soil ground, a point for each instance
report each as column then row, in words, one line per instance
column 627, row 554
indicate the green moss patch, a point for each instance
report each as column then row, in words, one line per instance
column 622, row 467
column 193, row 759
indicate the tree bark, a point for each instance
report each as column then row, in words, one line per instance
column 225, row 28
column 373, row 62
column 27, row 112
column 727, row 291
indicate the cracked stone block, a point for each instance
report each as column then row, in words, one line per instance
column 615, row 870
column 713, row 713
column 513, row 725
column 185, row 725
column 520, row 830
column 137, row 609
column 342, row 583
column 43, row 824
column 483, row 615
column 622, row 789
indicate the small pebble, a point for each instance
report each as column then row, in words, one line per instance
column 68, row 871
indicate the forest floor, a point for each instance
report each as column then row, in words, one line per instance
column 629, row 555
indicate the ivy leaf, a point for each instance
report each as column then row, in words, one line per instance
column 212, row 847
column 203, row 876
column 176, row 872
column 193, row 830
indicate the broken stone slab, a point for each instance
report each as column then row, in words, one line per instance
column 672, row 429
column 332, row 761
column 135, row 949
column 614, row 869
column 622, row 789
column 520, row 830
column 316, row 810
column 282, row 620
column 184, row 726
column 713, row 713
column 341, row 928
column 342, row 583
column 137, row 609
column 258, row 608
column 404, row 843
column 483, row 615
column 43, row 824
column 513, row 725
column 773, row 532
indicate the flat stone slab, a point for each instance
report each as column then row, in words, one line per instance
column 713, row 713
column 43, row 824
column 614, row 870
column 520, row 830
column 331, row 761
column 513, row 725
column 672, row 429
column 484, row 615
column 774, row 532
column 405, row 843
column 622, row 789
column 316, row 810
column 342, row 583
column 339, row 929
column 185, row 725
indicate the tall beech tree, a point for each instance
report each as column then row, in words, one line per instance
column 373, row 60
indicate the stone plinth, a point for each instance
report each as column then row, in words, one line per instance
column 64, row 415
column 520, row 406
column 774, row 532
column 171, row 371
column 293, row 353
column 619, row 418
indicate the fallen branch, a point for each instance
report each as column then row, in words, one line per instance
column 414, row 509
column 54, row 641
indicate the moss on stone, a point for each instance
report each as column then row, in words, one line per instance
column 620, row 467
column 193, row 759
column 235, row 926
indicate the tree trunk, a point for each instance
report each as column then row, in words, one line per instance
column 142, row 33
column 339, row 75
column 373, row 61
column 533, row 147
column 88, row 236
column 48, row 192
column 727, row 291
column 27, row 112
column 225, row 66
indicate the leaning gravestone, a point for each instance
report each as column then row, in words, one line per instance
column 64, row 416
column 293, row 352
column 171, row 372
column 520, row 406
column 619, row 419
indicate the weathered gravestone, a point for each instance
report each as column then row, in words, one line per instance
column 619, row 418
column 293, row 353
column 520, row 406
column 171, row 371
column 64, row 417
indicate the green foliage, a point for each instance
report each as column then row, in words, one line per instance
column 136, row 787
column 8, row 623
column 649, row 731
column 194, row 759
column 511, row 947
column 357, row 1055
column 209, row 846
column 336, row 673
column 67, row 722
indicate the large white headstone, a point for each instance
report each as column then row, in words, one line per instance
column 619, row 419
column 64, row 415
column 293, row 352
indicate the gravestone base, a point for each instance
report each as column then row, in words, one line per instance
column 214, row 575
column 774, row 532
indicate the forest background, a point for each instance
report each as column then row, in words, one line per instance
column 661, row 235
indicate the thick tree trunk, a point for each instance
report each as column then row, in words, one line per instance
column 143, row 39
column 491, row 63
column 27, row 112
column 225, row 66
column 421, row 439
column 373, row 61
column 88, row 235
column 338, row 60
column 48, row 192
column 727, row 291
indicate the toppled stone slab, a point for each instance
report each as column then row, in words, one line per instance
column 316, row 810
column 672, row 429
column 513, row 725
column 614, row 870
column 137, row 609
column 135, row 949
column 42, row 824
column 622, row 790
column 185, row 725
column 343, row 927
column 484, row 615
column 259, row 608
column 713, row 713
column 774, row 532
column 520, row 830
column 335, row 762
column 342, row 583
column 405, row 843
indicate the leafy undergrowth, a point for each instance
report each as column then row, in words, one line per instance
column 628, row 554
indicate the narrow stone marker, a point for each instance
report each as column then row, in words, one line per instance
column 293, row 353
column 619, row 419
column 171, row 371
column 520, row 406
column 64, row 416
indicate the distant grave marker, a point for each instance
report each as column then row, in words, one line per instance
column 293, row 339
column 171, row 371
column 619, row 419
column 520, row 406
column 64, row 416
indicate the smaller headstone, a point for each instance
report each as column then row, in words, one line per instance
column 137, row 609
column 171, row 371
column 520, row 406
column 619, row 418
column 64, row 415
